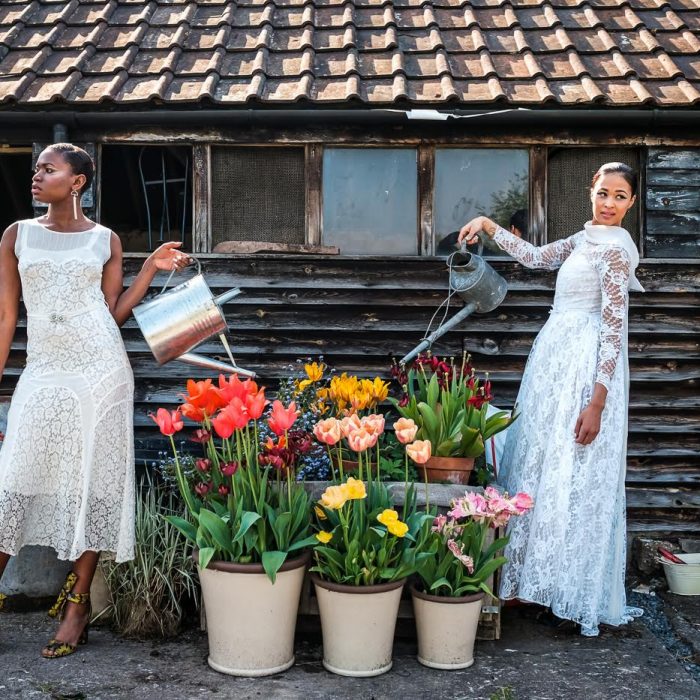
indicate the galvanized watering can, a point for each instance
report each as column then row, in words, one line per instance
column 176, row 321
column 473, row 279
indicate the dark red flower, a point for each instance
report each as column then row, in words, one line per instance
column 203, row 465
column 201, row 436
column 203, row 488
column 223, row 490
column 229, row 468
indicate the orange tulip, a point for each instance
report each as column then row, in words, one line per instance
column 202, row 398
column 349, row 424
column 406, row 430
column 169, row 422
column 231, row 388
column 373, row 423
column 419, row 451
column 328, row 431
column 281, row 418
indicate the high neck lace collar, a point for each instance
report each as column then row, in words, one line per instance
column 616, row 235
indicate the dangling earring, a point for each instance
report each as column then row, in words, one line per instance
column 74, row 194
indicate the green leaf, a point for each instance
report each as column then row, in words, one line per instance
column 184, row 526
column 272, row 561
column 215, row 526
column 248, row 518
column 309, row 541
column 441, row 582
column 205, row 556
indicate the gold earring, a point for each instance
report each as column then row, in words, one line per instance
column 74, row 194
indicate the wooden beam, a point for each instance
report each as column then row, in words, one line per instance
column 201, row 198
column 538, row 195
column 314, row 175
column 426, row 183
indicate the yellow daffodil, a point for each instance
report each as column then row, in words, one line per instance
column 354, row 489
column 333, row 498
column 324, row 537
column 320, row 513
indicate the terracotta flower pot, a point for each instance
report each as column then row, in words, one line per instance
column 446, row 629
column 250, row 621
column 453, row 470
column 358, row 624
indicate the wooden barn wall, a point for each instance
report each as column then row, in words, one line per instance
column 356, row 312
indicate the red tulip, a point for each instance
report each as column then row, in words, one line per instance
column 169, row 422
column 281, row 418
column 223, row 490
column 230, row 418
column 230, row 389
column 229, row 468
column 203, row 465
column 200, row 435
column 202, row 398
column 203, row 488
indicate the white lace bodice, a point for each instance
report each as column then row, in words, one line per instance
column 594, row 278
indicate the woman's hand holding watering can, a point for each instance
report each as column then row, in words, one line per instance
column 168, row 257
column 470, row 230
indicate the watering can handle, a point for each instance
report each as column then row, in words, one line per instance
column 480, row 250
column 167, row 282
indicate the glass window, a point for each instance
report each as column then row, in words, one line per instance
column 370, row 200
column 473, row 182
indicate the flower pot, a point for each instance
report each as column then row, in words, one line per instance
column 357, row 623
column 250, row 621
column 453, row 470
column 446, row 629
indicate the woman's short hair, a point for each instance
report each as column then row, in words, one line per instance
column 622, row 169
column 78, row 159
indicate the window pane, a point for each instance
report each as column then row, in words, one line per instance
column 258, row 194
column 473, row 182
column 370, row 200
column 569, row 175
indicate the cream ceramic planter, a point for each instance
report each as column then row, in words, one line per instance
column 250, row 621
column 446, row 629
column 358, row 625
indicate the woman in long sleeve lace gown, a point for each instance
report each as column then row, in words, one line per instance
column 568, row 447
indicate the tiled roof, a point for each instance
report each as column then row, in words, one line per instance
column 607, row 53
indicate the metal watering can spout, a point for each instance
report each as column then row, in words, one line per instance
column 476, row 282
column 177, row 320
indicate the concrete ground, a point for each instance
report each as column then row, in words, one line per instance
column 530, row 662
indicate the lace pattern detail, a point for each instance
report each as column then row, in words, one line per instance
column 66, row 465
column 546, row 257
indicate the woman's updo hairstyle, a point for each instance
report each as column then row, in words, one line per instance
column 78, row 159
column 621, row 169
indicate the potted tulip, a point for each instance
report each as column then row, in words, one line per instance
column 452, row 572
column 451, row 409
column 249, row 520
column 364, row 553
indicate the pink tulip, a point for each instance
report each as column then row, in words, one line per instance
column 373, row 423
column 328, row 431
column 406, row 430
column 419, row 451
column 349, row 423
column 360, row 440
column 169, row 422
column 471, row 505
column 439, row 523
column 522, row 502
column 282, row 419
column 255, row 403
column 456, row 549
column 232, row 417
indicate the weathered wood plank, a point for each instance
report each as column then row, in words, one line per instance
column 673, row 159
column 671, row 471
column 673, row 246
column 313, row 165
column 673, row 199
column 201, row 195
column 668, row 498
column 673, row 176
column 670, row 223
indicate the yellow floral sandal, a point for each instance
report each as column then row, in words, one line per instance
column 3, row 598
column 56, row 649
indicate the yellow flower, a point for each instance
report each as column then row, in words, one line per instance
column 387, row 516
column 354, row 489
column 333, row 498
column 324, row 537
column 396, row 527
column 390, row 518
column 314, row 372
column 380, row 389
column 320, row 513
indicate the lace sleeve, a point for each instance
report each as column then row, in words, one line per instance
column 546, row 257
column 613, row 267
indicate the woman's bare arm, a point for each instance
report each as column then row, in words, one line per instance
column 10, row 288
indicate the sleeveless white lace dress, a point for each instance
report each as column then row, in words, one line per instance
column 568, row 553
column 67, row 461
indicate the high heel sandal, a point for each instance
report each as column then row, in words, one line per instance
column 56, row 648
column 3, row 598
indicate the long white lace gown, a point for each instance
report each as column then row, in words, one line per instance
column 67, row 461
column 569, row 551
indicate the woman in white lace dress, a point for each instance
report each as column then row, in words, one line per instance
column 568, row 447
column 66, row 463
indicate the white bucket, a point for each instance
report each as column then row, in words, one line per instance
column 683, row 579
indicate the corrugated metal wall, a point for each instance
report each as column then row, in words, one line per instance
column 356, row 312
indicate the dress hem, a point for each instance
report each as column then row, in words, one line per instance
column 63, row 556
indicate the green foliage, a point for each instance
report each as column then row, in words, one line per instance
column 147, row 593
